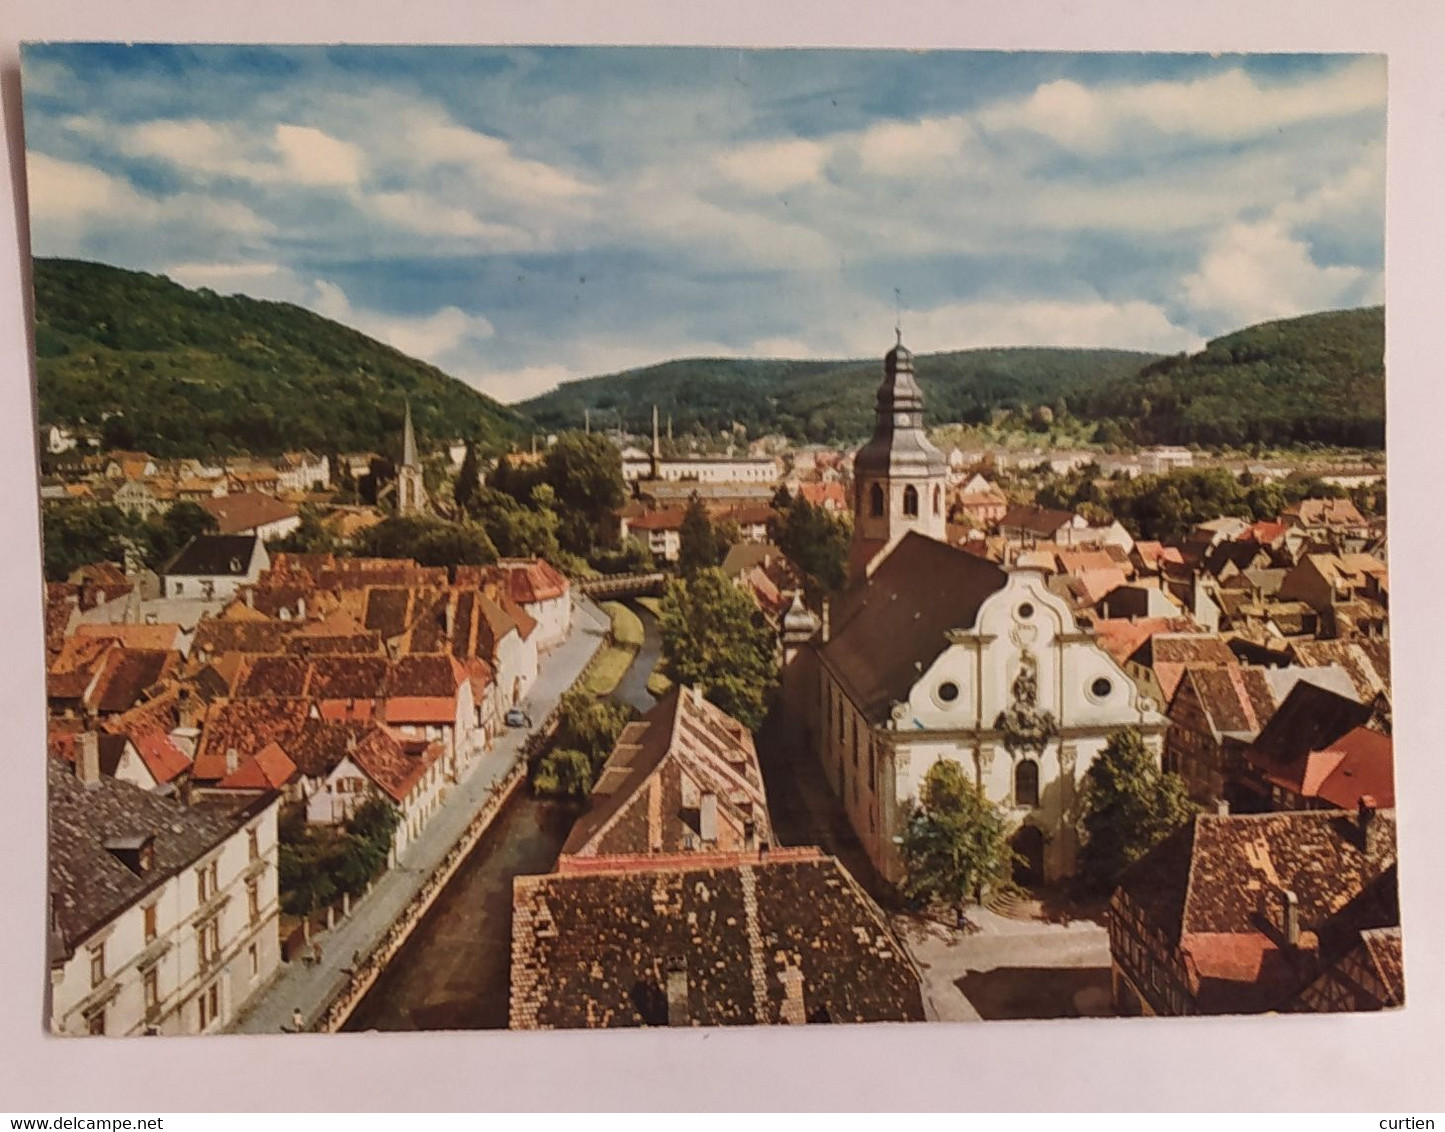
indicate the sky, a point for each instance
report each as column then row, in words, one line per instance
column 522, row 217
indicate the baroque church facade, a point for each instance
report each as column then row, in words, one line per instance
column 933, row 653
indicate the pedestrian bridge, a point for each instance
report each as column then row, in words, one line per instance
column 615, row 586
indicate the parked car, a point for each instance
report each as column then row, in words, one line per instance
column 516, row 717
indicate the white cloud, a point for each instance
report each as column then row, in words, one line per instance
column 1227, row 106
column 428, row 337
column 430, row 140
column 427, row 216
column 1254, row 272
column 66, row 197
column 904, row 149
column 773, row 166
column 287, row 154
column 513, row 385
column 316, row 158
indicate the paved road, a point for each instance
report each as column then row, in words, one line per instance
column 1010, row 968
column 309, row 988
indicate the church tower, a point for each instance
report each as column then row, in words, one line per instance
column 410, row 491
column 899, row 477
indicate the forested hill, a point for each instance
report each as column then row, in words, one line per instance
column 1315, row 379
column 829, row 400
column 192, row 373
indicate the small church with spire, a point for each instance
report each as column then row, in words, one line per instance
column 411, row 496
column 899, row 476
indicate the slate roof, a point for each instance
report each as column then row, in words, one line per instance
column 216, row 556
column 713, row 749
column 88, row 883
column 593, row 949
column 886, row 625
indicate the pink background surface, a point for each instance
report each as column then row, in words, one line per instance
column 1379, row 1063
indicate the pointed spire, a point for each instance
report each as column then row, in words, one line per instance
column 408, row 440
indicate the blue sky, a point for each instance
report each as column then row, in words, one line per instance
column 522, row 217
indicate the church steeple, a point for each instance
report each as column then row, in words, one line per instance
column 410, row 489
column 898, row 476
column 408, row 440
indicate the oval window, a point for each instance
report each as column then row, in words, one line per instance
column 948, row 692
column 1101, row 688
column 1025, row 611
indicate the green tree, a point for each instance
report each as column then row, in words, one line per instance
column 167, row 533
column 956, row 847
column 589, row 724
column 469, row 481
column 564, row 773
column 699, row 544
column 715, row 639
column 1128, row 807
column 814, row 541
column 311, row 537
column 585, row 470
column 431, row 541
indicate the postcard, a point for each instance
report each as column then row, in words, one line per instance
column 580, row 537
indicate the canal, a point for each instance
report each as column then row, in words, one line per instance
column 454, row 973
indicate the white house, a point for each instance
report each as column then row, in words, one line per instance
column 408, row 772
column 302, row 471
column 215, row 567
column 163, row 915
column 542, row 591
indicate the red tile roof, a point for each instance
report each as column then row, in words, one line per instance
column 394, row 764
column 268, row 769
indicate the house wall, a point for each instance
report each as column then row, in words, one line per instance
column 249, row 948
column 554, row 620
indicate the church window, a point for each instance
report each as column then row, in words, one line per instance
column 1025, row 611
column 910, row 501
column 938, row 500
column 1026, row 783
column 947, row 692
column 875, row 500
column 1101, row 688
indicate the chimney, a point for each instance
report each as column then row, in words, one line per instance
column 233, row 760
column 300, row 609
column 1221, row 807
column 1289, row 910
column 87, row 758
column 451, row 618
column 250, row 596
column 677, row 1011
column 707, row 818
column 1375, row 837
column 827, row 620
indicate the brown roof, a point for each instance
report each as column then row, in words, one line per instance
column 436, row 674
column 1041, row 521
column 127, row 676
column 215, row 636
column 713, row 750
column 388, row 610
column 347, row 677
column 318, row 745
column 887, row 625
column 1237, row 700
column 530, row 580
column 1202, row 887
column 268, row 769
column 134, row 636
column 245, row 511
column 394, row 764
column 1367, row 662
column 273, row 676
column 788, row 937
column 245, row 726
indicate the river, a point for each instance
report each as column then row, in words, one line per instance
column 454, row 973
